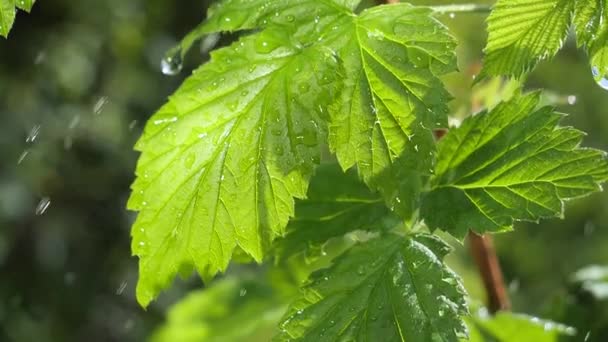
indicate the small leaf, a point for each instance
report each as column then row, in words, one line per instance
column 590, row 19
column 337, row 204
column 392, row 288
column 8, row 12
column 512, row 163
column 522, row 33
column 507, row 327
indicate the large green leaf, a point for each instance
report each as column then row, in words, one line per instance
column 337, row 204
column 223, row 159
column 591, row 22
column 392, row 97
column 392, row 288
column 509, row 327
column 8, row 11
column 512, row 163
column 231, row 309
column 523, row 32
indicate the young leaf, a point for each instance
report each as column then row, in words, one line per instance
column 337, row 203
column 392, row 288
column 223, row 159
column 506, row 327
column 8, row 12
column 391, row 98
column 591, row 22
column 521, row 33
column 513, row 163
column 231, row 309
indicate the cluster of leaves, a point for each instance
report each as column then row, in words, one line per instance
column 8, row 9
column 524, row 32
column 226, row 163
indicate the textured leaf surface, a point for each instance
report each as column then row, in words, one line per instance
column 8, row 12
column 389, row 289
column 513, row 163
column 223, row 159
column 591, row 23
column 509, row 327
column 231, row 310
column 337, row 203
column 392, row 96
column 523, row 32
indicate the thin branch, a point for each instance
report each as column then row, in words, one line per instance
column 485, row 257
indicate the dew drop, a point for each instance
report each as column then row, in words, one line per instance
column 43, row 205
column 290, row 18
column 189, row 161
column 171, row 65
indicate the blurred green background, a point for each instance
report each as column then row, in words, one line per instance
column 78, row 80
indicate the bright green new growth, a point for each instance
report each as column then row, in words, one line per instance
column 591, row 23
column 506, row 326
column 513, row 163
column 521, row 33
column 8, row 12
column 224, row 159
column 525, row 32
column 392, row 288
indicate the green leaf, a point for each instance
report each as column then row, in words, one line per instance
column 509, row 327
column 223, row 159
column 392, row 97
column 8, row 12
column 231, row 309
column 25, row 5
column 7, row 16
column 522, row 33
column 392, row 288
column 590, row 20
column 304, row 20
column 512, row 163
column 337, row 204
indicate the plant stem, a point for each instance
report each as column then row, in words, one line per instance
column 486, row 259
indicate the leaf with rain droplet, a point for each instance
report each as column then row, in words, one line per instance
column 512, row 163
column 374, row 292
column 231, row 147
column 8, row 12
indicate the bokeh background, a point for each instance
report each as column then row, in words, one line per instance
column 78, row 80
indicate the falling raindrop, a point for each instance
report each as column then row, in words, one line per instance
column 171, row 65
column 571, row 100
column 43, row 205
column 452, row 15
column 601, row 80
column 132, row 125
column 121, row 288
column 22, row 157
column 31, row 137
column 243, row 292
column 101, row 102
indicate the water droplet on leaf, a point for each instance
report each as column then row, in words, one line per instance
column 171, row 65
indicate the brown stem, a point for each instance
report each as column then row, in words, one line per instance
column 482, row 250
